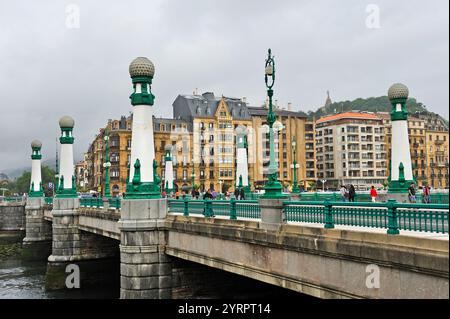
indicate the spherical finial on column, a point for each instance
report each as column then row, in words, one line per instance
column 36, row 144
column 398, row 91
column 142, row 66
column 66, row 122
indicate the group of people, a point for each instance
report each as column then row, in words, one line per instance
column 239, row 194
column 426, row 194
column 348, row 193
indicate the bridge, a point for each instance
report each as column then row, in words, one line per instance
column 324, row 249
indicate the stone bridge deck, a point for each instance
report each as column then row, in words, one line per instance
column 326, row 263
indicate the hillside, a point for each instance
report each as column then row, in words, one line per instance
column 372, row 104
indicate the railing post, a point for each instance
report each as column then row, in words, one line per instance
column 208, row 208
column 329, row 223
column 233, row 209
column 392, row 218
column 185, row 207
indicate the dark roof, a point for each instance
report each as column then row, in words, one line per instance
column 188, row 107
column 262, row 111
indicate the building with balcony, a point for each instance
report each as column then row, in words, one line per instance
column 351, row 149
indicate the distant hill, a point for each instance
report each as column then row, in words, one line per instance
column 13, row 173
column 372, row 104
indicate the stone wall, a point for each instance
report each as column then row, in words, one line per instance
column 324, row 263
column 12, row 216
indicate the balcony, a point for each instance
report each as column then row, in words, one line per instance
column 439, row 142
column 415, row 145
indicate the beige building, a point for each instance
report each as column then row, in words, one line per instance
column 294, row 125
column 351, row 149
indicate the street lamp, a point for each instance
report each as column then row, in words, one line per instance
column 273, row 187
column 193, row 172
column 295, row 188
column 106, row 165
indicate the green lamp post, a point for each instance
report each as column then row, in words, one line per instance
column 106, row 165
column 193, row 173
column 273, row 188
column 295, row 188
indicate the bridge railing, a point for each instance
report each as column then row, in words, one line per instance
column 12, row 199
column 211, row 208
column 391, row 215
column 95, row 202
column 435, row 198
column 114, row 203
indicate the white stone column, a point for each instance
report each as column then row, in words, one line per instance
column 241, row 156
column 401, row 152
column 36, row 177
column 168, row 169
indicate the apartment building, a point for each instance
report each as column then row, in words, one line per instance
column 351, row 149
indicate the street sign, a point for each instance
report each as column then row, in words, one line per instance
column 50, row 185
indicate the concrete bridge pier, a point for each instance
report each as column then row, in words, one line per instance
column 145, row 269
column 37, row 244
column 71, row 245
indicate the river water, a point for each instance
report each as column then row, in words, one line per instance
column 26, row 280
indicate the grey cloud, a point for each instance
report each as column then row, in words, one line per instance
column 47, row 70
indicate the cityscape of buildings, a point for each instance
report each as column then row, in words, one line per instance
column 339, row 149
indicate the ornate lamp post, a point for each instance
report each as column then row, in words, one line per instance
column 106, row 165
column 193, row 173
column 273, row 188
column 295, row 188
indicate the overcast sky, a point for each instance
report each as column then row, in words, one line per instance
column 50, row 68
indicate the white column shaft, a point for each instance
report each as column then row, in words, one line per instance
column 67, row 167
column 242, row 166
column 36, row 177
column 168, row 175
column 142, row 143
column 400, row 150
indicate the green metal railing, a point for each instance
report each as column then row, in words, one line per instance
column 437, row 198
column 114, row 203
column 211, row 208
column 91, row 202
column 48, row 200
column 392, row 216
column 248, row 209
column 12, row 199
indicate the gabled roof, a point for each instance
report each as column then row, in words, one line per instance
column 188, row 107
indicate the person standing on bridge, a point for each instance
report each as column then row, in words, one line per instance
column 373, row 194
column 351, row 193
column 344, row 193
column 426, row 195
column 412, row 193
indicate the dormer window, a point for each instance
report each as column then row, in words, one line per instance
column 199, row 110
column 208, row 110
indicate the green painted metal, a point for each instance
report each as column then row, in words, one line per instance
column 248, row 209
column 142, row 190
column 62, row 192
column 233, row 214
column 273, row 188
column 66, row 135
column 114, row 203
column 392, row 216
column 295, row 189
column 107, row 192
column 48, row 200
column 91, row 202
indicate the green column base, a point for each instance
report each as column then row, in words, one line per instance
column 66, row 193
column 295, row 189
column 273, row 190
column 142, row 190
column 396, row 187
column 36, row 194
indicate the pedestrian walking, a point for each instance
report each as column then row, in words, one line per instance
column 412, row 193
column 373, row 194
column 351, row 193
column 344, row 193
column 242, row 193
column 236, row 193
